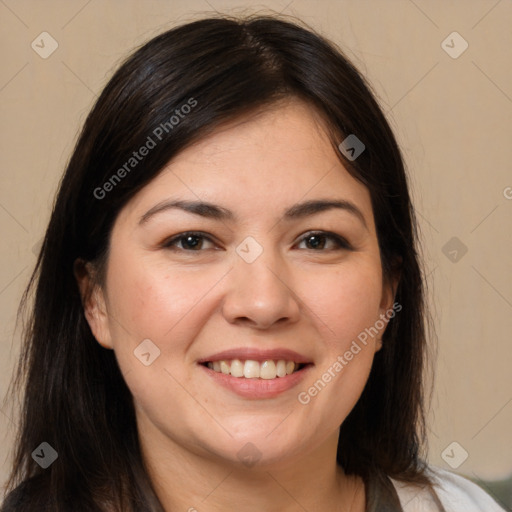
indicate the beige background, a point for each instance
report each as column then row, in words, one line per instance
column 453, row 119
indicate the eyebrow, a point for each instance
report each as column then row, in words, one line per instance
column 216, row 212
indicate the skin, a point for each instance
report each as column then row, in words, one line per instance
column 192, row 303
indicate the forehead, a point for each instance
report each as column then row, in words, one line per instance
column 258, row 164
column 285, row 132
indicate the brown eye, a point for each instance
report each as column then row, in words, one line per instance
column 190, row 241
column 316, row 241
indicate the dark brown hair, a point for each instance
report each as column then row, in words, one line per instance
column 74, row 395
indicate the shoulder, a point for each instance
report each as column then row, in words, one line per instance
column 455, row 492
column 27, row 496
column 15, row 500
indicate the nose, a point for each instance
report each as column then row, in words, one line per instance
column 261, row 294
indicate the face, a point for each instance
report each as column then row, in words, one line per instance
column 262, row 286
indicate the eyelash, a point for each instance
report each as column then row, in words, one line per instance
column 341, row 243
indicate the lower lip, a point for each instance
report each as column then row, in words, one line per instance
column 257, row 388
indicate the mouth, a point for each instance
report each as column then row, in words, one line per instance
column 268, row 369
column 256, row 379
column 254, row 373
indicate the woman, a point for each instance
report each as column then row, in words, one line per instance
column 229, row 309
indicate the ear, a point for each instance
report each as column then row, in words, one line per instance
column 386, row 308
column 93, row 302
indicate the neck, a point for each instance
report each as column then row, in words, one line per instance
column 195, row 480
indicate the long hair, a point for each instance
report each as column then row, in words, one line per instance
column 73, row 394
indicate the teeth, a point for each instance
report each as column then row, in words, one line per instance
column 281, row 368
column 237, row 368
column 250, row 369
column 268, row 370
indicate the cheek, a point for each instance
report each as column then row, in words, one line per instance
column 147, row 302
column 348, row 306
column 151, row 302
column 347, row 302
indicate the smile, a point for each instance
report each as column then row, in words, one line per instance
column 256, row 386
column 251, row 369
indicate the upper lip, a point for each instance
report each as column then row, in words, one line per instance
column 256, row 354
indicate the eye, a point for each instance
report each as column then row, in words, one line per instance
column 191, row 241
column 317, row 241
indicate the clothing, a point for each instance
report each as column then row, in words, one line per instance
column 456, row 493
